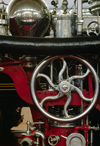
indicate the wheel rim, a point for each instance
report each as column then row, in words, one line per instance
column 68, row 119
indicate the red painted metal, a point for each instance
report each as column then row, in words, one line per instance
column 76, row 100
column 27, row 136
column 24, row 30
column 36, row 114
column 65, row 131
column 85, row 129
column 52, row 130
column 90, row 85
column 19, row 78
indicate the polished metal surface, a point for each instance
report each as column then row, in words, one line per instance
column 60, row 124
column 67, row 118
column 69, row 98
column 53, row 140
column 79, row 17
column 39, row 133
column 64, row 25
column 75, row 139
column 62, row 70
column 93, row 28
column 3, row 20
column 64, row 87
column 29, row 17
column 95, row 7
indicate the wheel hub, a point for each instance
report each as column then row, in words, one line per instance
column 65, row 87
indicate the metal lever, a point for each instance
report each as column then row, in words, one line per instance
column 64, row 137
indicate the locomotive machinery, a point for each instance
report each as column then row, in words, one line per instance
column 49, row 61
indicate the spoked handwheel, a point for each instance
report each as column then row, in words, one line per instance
column 64, row 87
column 93, row 28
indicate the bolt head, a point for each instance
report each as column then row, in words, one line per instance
column 65, row 87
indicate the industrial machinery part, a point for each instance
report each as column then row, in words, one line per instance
column 64, row 87
column 35, row 71
column 75, row 139
column 3, row 19
column 93, row 28
column 62, row 25
column 94, row 7
column 29, row 18
column 26, row 142
column 53, row 139
column 28, row 137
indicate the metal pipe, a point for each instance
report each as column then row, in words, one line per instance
column 26, row 142
column 51, row 71
column 79, row 19
column 74, row 6
column 42, row 135
column 49, row 46
column 91, row 138
column 28, row 127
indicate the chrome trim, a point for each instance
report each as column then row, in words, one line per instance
column 67, row 104
column 80, row 93
column 49, row 81
column 51, row 98
column 69, row 119
column 42, row 136
column 79, row 77
column 62, row 70
column 30, row 17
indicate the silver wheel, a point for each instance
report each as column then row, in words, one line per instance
column 93, row 28
column 64, row 87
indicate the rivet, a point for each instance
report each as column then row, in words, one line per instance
column 39, row 99
column 1, row 69
column 64, row 100
column 15, row 70
column 45, row 93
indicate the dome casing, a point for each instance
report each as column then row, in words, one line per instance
column 28, row 17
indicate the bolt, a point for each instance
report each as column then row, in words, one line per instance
column 45, row 93
column 64, row 100
column 15, row 70
column 39, row 92
column 65, row 87
column 1, row 69
column 39, row 99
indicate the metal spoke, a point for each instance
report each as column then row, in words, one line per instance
column 78, row 77
column 64, row 87
column 80, row 93
column 67, row 104
column 51, row 98
column 49, row 81
column 62, row 70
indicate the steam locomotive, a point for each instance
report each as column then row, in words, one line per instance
column 49, row 61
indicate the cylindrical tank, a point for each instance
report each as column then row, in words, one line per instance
column 64, row 25
column 3, row 22
column 28, row 17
